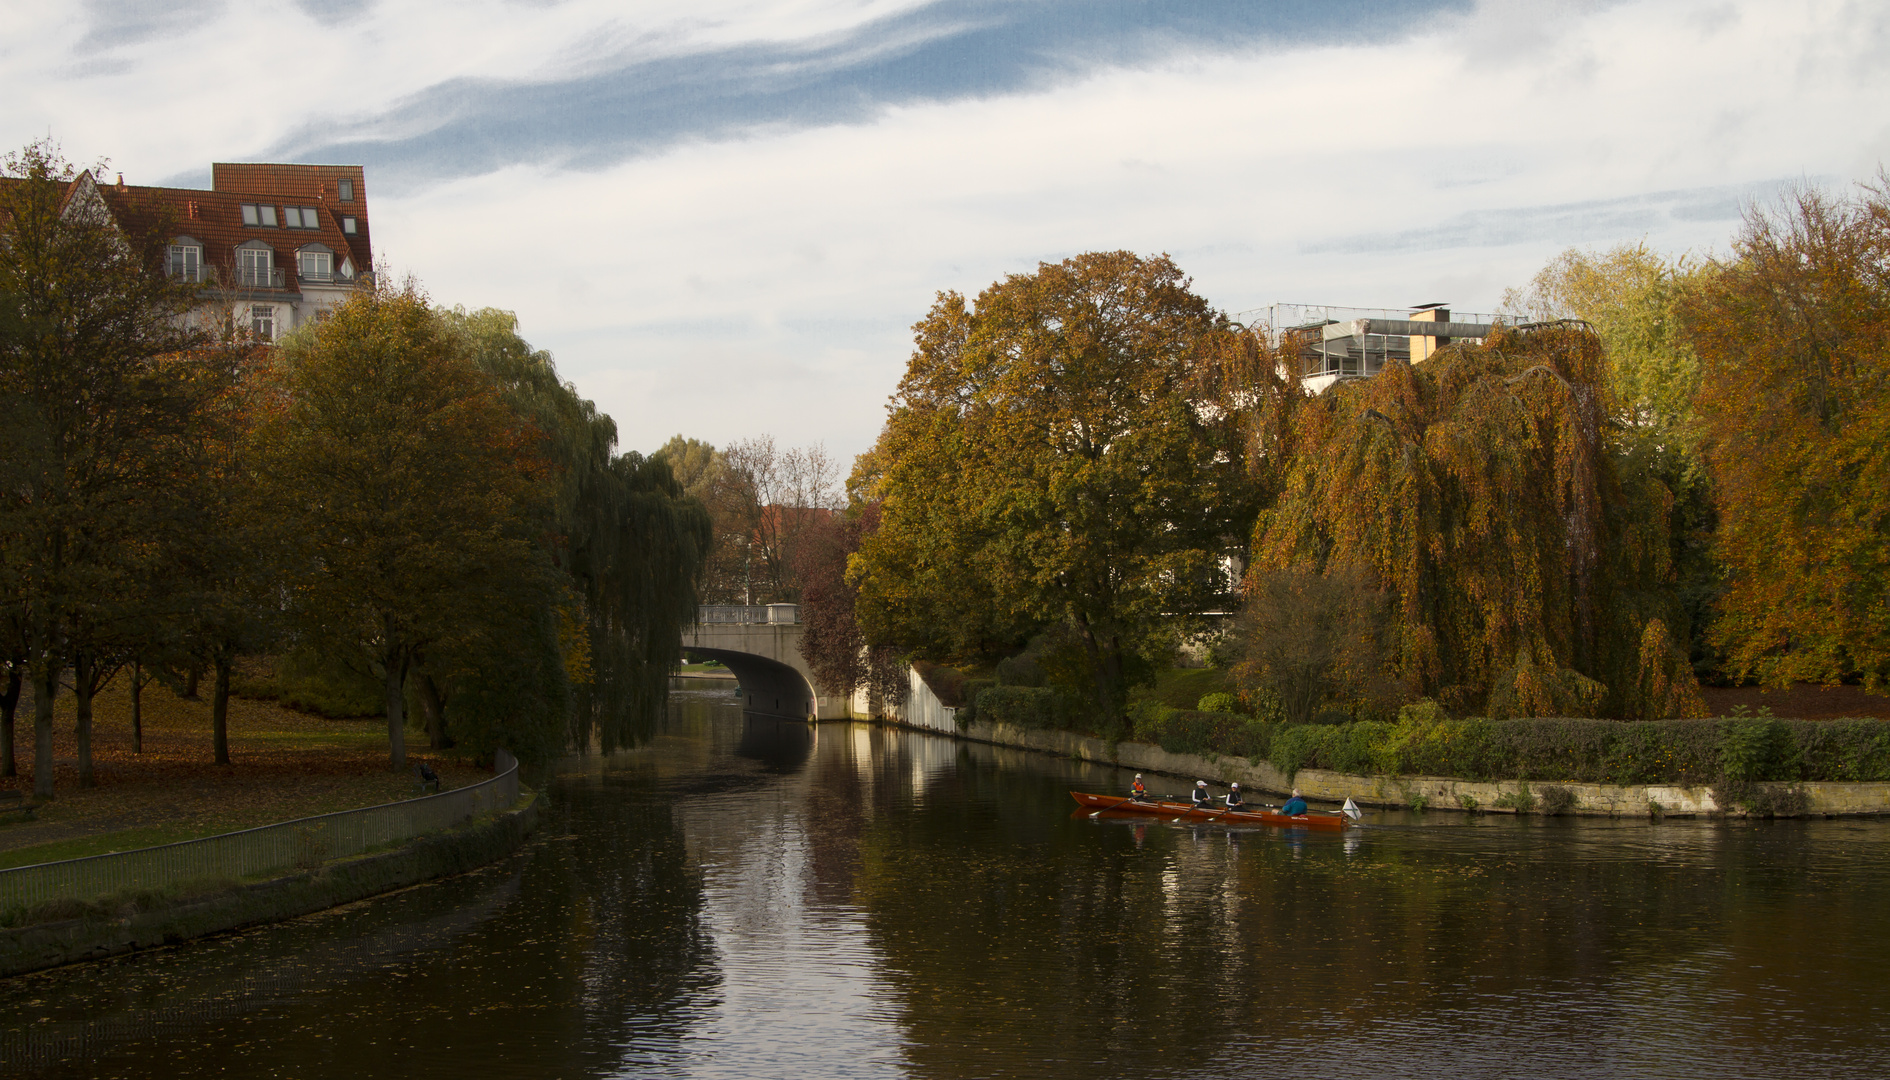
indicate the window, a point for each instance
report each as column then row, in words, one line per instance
column 259, row 217
column 262, row 321
column 315, row 265
column 347, row 225
column 344, row 189
column 300, row 217
column 254, row 266
column 186, row 263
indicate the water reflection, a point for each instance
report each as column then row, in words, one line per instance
column 747, row 897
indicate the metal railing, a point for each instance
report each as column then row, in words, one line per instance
column 777, row 614
column 305, row 843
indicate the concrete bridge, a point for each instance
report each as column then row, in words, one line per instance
column 761, row 644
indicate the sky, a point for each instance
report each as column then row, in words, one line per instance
column 723, row 217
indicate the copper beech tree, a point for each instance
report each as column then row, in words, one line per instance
column 1477, row 491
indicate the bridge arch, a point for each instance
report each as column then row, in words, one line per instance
column 761, row 644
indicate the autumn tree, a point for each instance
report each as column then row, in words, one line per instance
column 106, row 397
column 1527, row 576
column 1634, row 298
column 1049, row 461
column 1793, row 332
column 397, row 472
column 836, row 651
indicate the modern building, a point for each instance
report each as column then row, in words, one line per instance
column 1335, row 343
column 278, row 245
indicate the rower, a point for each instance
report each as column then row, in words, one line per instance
column 1137, row 791
column 1202, row 800
column 1295, row 806
column 1233, row 797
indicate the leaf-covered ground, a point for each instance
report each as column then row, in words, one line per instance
column 284, row 765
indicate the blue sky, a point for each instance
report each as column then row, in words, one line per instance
column 723, row 217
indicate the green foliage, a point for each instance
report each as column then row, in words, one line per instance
column 1522, row 800
column 1054, row 457
column 973, row 689
column 1029, row 707
column 314, row 681
column 1203, row 732
column 1219, row 701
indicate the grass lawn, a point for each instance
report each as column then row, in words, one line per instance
column 284, row 765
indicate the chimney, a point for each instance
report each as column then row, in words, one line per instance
column 121, row 181
column 190, row 208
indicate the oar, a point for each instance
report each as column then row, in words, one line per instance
column 1113, row 805
column 1191, row 810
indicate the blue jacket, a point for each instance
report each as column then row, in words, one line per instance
column 1294, row 806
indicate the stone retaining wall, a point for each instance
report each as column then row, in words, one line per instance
column 1822, row 798
column 44, row 945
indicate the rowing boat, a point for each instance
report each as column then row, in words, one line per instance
column 1187, row 811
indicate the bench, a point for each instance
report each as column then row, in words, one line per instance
column 14, row 802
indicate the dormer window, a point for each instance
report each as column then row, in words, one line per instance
column 255, row 266
column 257, row 216
column 344, row 189
column 186, row 260
column 300, row 217
column 315, row 263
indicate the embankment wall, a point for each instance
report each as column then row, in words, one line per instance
column 1821, row 798
column 50, row 944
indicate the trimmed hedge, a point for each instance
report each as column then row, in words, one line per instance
column 1690, row 752
column 1424, row 742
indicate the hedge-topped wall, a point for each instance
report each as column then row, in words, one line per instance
column 1423, row 742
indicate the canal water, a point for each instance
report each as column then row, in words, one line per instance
column 758, row 899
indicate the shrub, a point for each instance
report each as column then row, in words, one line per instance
column 1522, row 800
column 1761, row 799
column 1758, row 748
column 1027, row 707
column 1220, row 701
column 1556, row 800
column 968, row 712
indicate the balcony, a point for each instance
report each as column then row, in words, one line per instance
column 258, row 277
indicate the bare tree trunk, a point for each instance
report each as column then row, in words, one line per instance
column 137, row 707
column 220, row 709
column 191, row 675
column 45, row 685
column 9, row 703
column 83, row 668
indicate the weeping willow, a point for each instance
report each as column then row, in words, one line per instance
column 628, row 545
column 1530, row 572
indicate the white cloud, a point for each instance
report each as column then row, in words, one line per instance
column 765, row 284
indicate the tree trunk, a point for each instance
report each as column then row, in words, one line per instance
column 83, row 668
column 220, row 709
column 45, row 685
column 395, row 669
column 137, row 707
column 190, row 683
column 433, row 710
column 9, row 703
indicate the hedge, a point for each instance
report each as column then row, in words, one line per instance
column 1688, row 752
column 1423, row 742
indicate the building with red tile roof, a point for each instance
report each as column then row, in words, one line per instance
column 276, row 246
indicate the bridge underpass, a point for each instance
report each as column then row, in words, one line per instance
column 761, row 645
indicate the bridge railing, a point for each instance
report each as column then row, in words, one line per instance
column 304, row 843
column 748, row 614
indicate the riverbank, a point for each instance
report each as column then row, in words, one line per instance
column 1811, row 798
column 128, row 924
column 284, row 765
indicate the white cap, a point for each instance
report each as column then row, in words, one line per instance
column 1200, row 783
column 1138, row 776
column 1235, row 784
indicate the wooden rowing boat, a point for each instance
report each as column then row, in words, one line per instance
column 1186, row 811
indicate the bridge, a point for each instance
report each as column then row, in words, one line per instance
column 761, row 644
